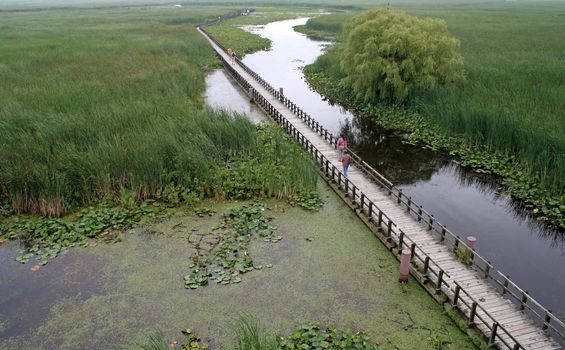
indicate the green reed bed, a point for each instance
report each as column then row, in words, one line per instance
column 240, row 41
column 95, row 101
column 324, row 26
column 515, row 97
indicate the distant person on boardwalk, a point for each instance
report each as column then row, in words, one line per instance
column 345, row 160
column 341, row 145
column 233, row 56
column 230, row 53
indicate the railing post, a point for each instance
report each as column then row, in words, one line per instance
column 442, row 234
column 380, row 217
column 505, row 285
column 487, row 269
column 524, row 300
column 400, row 239
column 426, row 264
column 412, row 251
column 431, row 222
column 472, row 315
column 547, row 320
column 371, row 213
column 492, row 337
column 456, row 295
column 399, row 196
column 439, row 281
column 389, row 227
column 409, row 204
column 420, row 213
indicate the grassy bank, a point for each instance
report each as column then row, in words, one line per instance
column 508, row 120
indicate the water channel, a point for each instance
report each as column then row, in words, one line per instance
column 532, row 254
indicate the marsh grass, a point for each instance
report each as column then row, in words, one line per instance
column 95, row 102
column 249, row 335
column 514, row 100
column 241, row 41
column 515, row 97
column 324, row 26
column 149, row 341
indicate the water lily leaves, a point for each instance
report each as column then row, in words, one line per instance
column 24, row 258
column 228, row 257
column 49, row 237
column 312, row 336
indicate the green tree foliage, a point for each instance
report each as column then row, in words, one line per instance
column 390, row 55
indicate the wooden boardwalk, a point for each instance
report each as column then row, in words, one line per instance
column 502, row 322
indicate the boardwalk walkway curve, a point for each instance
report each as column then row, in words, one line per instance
column 403, row 224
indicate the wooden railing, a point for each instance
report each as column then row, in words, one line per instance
column 389, row 231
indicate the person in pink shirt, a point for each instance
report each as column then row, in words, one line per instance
column 341, row 145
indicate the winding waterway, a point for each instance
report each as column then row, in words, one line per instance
column 532, row 254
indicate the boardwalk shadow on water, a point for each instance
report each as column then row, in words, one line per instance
column 328, row 268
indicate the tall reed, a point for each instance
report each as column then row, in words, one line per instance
column 86, row 113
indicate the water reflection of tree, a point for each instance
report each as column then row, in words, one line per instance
column 406, row 164
column 385, row 150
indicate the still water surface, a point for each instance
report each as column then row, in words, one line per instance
column 468, row 203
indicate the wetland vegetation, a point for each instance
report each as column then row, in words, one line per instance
column 120, row 114
column 109, row 294
column 107, row 139
column 508, row 117
column 105, row 128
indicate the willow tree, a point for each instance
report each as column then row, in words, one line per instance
column 390, row 55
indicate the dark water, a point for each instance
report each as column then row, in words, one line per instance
column 468, row 203
column 26, row 297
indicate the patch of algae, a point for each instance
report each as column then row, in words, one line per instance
column 328, row 268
